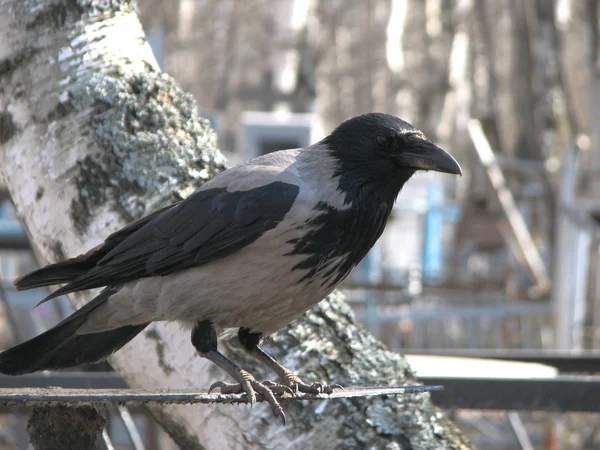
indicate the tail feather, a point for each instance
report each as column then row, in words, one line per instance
column 69, row 269
column 48, row 276
column 61, row 272
column 61, row 347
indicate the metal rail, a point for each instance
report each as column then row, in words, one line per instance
column 531, row 256
column 563, row 393
column 588, row 362
column 108, row 397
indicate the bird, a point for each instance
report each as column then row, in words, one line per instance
column 247, row 253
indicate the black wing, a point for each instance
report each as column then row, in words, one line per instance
column 69, row 269
column 208, row 225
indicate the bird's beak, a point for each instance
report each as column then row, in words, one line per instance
column 430, row 157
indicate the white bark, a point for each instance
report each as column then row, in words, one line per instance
column 92, row 135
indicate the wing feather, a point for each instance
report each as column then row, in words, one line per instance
column 208, row 225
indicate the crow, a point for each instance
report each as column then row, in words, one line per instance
column 248, row 252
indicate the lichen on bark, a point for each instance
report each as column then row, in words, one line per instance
column 141, row 122
column 98, row 7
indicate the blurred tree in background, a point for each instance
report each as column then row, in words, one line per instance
column 525, row 66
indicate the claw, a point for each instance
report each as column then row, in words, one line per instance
column 235, row 388
column 282, row 417
column 297, row 385
column 278, row 388
column 251, row 387
column 218, row 385
column 328, row 388
column 247, row 381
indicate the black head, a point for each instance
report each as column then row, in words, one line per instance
column 384, row 150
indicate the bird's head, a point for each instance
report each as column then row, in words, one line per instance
column 384, row 149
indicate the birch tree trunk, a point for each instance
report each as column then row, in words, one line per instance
column 92, row 136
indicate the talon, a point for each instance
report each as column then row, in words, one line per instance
column 251, row 387
column 217, row 385
column 244, row 387
column 247, row 381
column 226, row 388
column 251, row 394
column 328, row 388
column 278, row 388
column 269, row 397
column 294, row 382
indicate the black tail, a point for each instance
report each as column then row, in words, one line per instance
column 63, row 271
column 69, row 269
column 61, row 348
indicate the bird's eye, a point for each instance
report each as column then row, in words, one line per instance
column 381, row 141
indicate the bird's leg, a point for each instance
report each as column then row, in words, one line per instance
column 250, row 341
column 204, row 339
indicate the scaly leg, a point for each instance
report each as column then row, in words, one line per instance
column 204, row 339
column 250, row 341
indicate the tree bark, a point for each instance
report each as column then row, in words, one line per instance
column 54, row 427
column 92, row 136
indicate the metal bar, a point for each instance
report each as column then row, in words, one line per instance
column 564, row 393
column 439, row 289
column 107, row 441
column 577, row 216
column 535, row 264
column 134, row 435
column 520, row 432
column 563, row 256
column 105, row 397
column 465, row 312
column 583, row 243
column 588, row 362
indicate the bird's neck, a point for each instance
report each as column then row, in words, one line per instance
column 345, row 223
column 367, row 190
column 335, row 240
column 354, row 181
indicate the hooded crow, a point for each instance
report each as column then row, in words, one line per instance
column 251, row 250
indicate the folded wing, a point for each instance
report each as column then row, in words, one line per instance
column 208, row 225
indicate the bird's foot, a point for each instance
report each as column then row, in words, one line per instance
column 247, row 384
column 293, row 382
